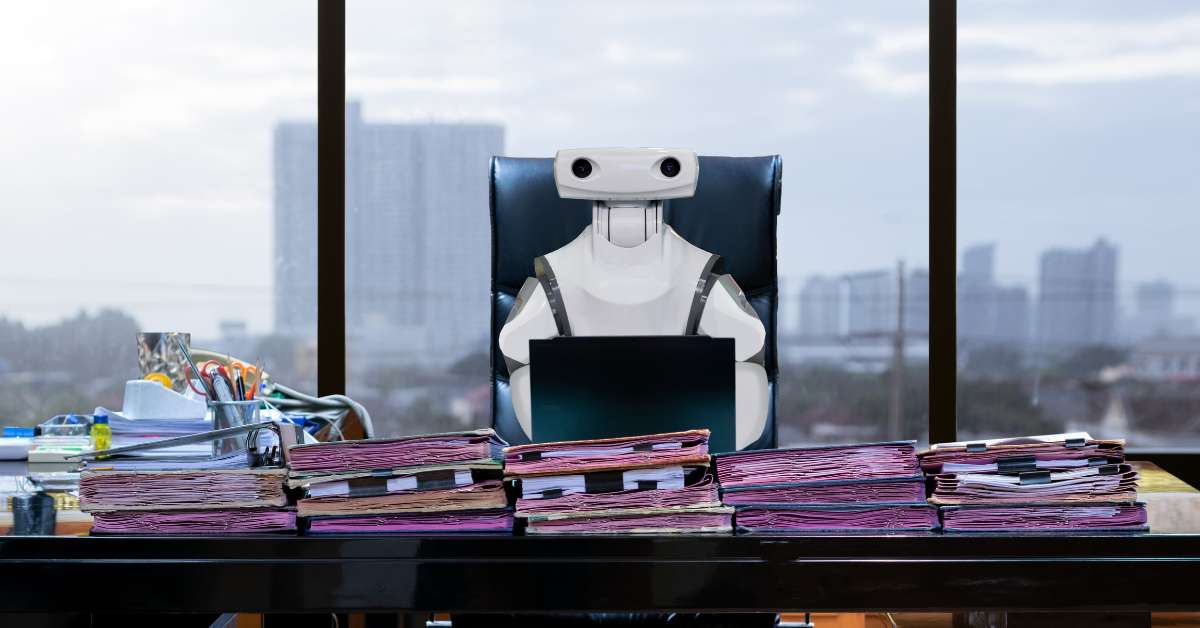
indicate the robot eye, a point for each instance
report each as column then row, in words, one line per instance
column 669, row 167
column 581, row 168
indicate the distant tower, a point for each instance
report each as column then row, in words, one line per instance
column 821, row 307
column 417, row 237
column 1077, row 296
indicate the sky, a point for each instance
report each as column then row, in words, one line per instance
column 137, row 135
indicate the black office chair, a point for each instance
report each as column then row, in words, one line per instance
column 733, row 214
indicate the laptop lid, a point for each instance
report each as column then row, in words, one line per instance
column 586, row 387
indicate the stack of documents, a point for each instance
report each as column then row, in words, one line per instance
column 433, row 483
column 636, row 484
column 871, row 487
column 185, row 502
column 128, row 430
column 1057, row 482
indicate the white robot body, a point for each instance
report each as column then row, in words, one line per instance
column 628, row 274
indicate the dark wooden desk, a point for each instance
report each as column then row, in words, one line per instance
column 1140, row 572
column 1080, row 573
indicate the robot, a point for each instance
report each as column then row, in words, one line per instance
column 629, row 274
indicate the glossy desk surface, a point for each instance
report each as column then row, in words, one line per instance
column 1159, row 570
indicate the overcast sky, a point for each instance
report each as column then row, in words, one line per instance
column 135, row 136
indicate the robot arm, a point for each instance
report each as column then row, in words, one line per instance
column 530, row 318
column 727, row 314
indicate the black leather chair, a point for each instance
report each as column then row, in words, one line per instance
column 732, row 214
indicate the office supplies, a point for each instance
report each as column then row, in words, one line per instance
column 101, row 432
column 592, row 387
column 33, row 514
column 196, row 372
column 159, row 356
column 823, row 462
column 15, row 443
column 1051, row 451
column 608, row 454
column 917, row 516
column 206, row 522
column 1055, row 517
column 879, row 491
column 145, row 399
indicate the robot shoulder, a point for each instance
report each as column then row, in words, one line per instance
column 728, row 314
column 531, row 317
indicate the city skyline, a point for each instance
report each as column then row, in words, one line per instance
column 1062, row 139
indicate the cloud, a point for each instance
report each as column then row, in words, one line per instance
column 1034, row 54
column 885, row 64
column 1065, row 53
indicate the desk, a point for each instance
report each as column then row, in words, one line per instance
column 1101, row 572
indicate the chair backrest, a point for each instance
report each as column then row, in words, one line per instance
column 732, row 214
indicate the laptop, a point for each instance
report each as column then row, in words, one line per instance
column 585, row 387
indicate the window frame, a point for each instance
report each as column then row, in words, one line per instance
column 943, row 213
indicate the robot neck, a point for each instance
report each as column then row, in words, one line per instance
column 627, row 224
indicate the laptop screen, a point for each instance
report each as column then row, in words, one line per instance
column 587, row 387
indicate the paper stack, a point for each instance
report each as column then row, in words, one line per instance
column 185, row 502
column 871, row 487
column 637, row 484
column 1057, row 482
column 432, row 483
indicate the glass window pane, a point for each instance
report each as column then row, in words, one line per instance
column 1077, row 213
column 838, row 90
column 138, row 190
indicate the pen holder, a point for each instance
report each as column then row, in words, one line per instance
column 232, row 414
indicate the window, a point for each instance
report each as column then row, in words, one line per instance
column 139, row 195
column 1077, row 208
column 840, row 92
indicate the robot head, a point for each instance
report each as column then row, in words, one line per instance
column 626, row 174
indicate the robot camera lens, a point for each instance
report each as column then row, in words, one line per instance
column 669, row 167
column 581, row 168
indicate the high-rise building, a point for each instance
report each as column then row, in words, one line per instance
column 1077, row 296
column 417, row 238
column 979, row 262
column 990, row 313
column 872, row 299
column 295, row 216
column 821, row 307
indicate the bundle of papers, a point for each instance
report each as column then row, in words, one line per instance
column 871, row 487
column 1030, row 453
column 642, row 484
column 608, row 454
column 1055, row 482
column 394, row 453
column 173, row 490
column 214, row 521
column 1109, row 483
column 882, row 490
column 133, row 431
column 431, row 483
column 810, row 464
column 1044, row 517
column 186, row 502
column 837, row 517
